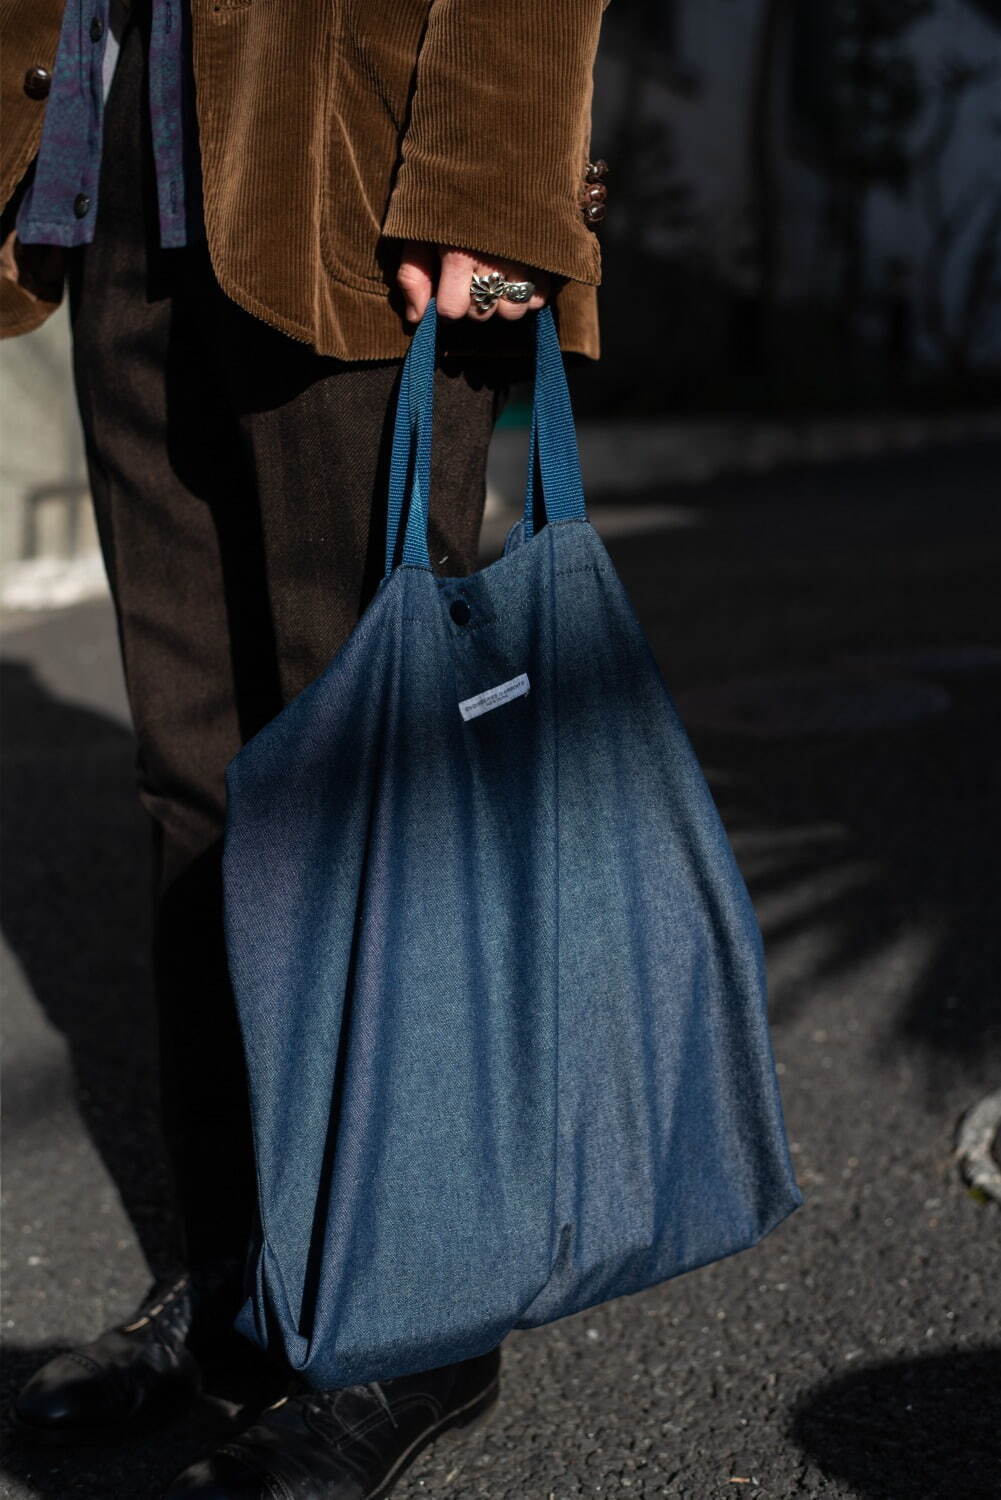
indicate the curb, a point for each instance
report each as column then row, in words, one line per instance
column 626, row 457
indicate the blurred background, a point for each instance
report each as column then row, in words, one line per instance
column 792, row 447
column 804, row 225
column 807, row 204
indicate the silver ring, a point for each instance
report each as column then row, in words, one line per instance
column 487, row 290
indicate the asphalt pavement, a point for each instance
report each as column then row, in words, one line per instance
column 833, row 637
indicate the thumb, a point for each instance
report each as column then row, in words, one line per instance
column 415, row 277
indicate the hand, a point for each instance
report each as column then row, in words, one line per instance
column 428, row 271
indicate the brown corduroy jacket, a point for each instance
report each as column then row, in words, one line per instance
column 330, row 130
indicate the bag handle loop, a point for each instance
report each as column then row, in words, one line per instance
column 552, row 457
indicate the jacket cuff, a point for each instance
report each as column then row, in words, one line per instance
column 539, row 235
column 494, row 157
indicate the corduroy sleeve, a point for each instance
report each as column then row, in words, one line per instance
column 494, row 156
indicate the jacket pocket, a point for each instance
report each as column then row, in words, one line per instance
column 368, row 86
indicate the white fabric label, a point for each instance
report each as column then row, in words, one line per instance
column 471, row 708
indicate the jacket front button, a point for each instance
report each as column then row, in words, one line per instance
column 37, row 82
column 460, row 611
column 81, row 203
column 96, row 29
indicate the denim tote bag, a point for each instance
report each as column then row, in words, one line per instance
column 499, row 980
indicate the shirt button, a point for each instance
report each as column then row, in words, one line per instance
column 81, row 203
column 37, row 82
column 460, row 611
column 96, row 29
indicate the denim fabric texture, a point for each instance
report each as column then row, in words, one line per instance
column 499, row 980
column 59, row 206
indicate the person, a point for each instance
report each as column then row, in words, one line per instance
column 250, row 205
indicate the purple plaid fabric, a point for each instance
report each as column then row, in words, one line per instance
column 60, row 204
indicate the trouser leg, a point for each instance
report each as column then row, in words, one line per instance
column 317, row 435
column 174, row 507
column 238, row 488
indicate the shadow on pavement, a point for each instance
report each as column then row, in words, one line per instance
column 881, row 843
column 867, row 836
column 911, row 1427
column 142, row 1466
column 861, row 845
column 74, row 890
column 851, row 841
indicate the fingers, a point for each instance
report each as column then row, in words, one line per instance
column 422, row 264
column 415, row 277
column 514, row 310
column 458, row 267
column 457, row 270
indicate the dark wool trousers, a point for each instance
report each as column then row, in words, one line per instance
column 238, row 484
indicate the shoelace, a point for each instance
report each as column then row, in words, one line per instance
column 155, row 1303
column 181, row 1297
column 324, row 1404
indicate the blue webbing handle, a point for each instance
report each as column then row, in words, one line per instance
column 410, row 459
column 552, row 442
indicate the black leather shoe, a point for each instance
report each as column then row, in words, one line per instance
column 136, row 1376
column 351, row 1444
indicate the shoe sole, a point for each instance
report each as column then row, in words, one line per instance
column 471, row 1415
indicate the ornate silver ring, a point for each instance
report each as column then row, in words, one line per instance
column 489, row 289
